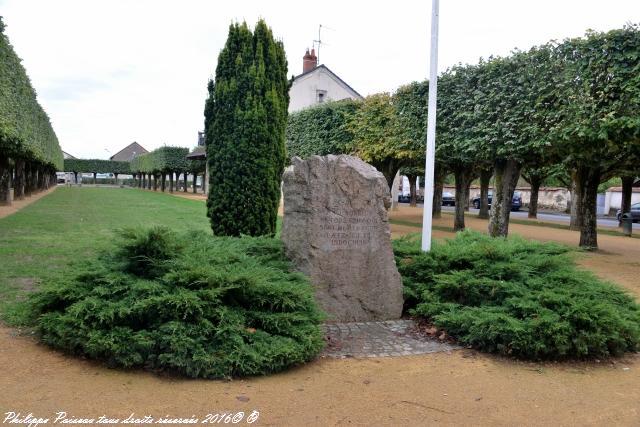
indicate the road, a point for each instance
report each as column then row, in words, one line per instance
column 559, row 217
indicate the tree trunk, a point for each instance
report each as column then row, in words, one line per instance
column 95, row 178
column 194, row 183
column 35, row 171
column 33, row 178
column 485, row 180
column 394, row 191
column 41, row 178
column 5, row 181
column 18, row 185
column 627, row 190
column 149, row 182
column 467, row 194
column 589, row 182
column 186, row 188
column 413, row 179
column 535, row 182
column 576, row 210
column 170, row 182
column 462, row 178
column 507, row 174
column 116, row 176
column 389, row 170
column 438, row 187
column 27, row 179
column 46, row 178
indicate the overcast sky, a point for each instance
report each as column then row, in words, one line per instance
column 112, row 72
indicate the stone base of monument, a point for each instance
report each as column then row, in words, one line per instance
column 336, row 231
column 380, row 339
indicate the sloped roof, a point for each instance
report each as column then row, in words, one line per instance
column 331, row 73
column 200, row 152
column 129, row 152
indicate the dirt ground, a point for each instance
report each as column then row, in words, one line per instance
column 458, row 388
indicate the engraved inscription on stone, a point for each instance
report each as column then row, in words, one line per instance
column 336, row 230
column 347, row 229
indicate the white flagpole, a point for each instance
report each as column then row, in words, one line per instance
column 431, row 131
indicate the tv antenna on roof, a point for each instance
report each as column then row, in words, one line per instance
column 319, row 41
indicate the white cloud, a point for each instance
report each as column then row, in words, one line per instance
column 111, row 72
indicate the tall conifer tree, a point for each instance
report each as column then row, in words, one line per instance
column 245, row 123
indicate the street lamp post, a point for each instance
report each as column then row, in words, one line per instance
column 427, row 214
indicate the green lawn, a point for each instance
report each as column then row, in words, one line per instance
column 71, row 224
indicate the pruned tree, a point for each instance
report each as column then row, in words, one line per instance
column 516, row 100
column 245, row 123
column 375, row 136
column 456, row 133
column 29, row 148
column 600, row 125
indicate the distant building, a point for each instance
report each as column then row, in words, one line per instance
column 64, row 177
column 317, row 84
column 129, row 152
column 200, row 153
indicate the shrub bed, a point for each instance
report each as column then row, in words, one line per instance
column 516, row 297
column 193, row 304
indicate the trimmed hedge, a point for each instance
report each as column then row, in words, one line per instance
column 163, row 159
column 25, row 129
column 200, row 306
column 516, row 297
column 96, row 166
column 321, row 130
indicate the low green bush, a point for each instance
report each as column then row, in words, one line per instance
column 517, row 297
column 193, row 304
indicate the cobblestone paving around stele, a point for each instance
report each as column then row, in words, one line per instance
column 380, row 339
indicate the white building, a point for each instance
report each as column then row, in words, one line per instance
column 613, row 198
column 317, row 84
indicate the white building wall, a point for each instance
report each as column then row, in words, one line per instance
column 304, row 90
column 613, row 199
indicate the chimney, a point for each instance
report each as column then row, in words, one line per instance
column 309, row 61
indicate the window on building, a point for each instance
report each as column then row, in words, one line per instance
column 321, row 95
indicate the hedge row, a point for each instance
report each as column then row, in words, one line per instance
column 320, row 130
column 151, row 169
column 569, row 108
column 25, row 129
column 163, row 159
column 96, row 166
